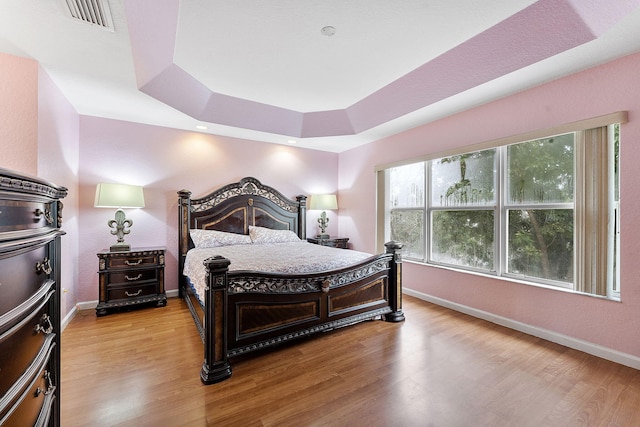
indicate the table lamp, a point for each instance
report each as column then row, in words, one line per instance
column 119, row 196
column 323, row 202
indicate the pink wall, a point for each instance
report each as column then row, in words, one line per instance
column 39, row 136
column 19, row 114
column 165, row 161
column 58, row 161
column 612, row 87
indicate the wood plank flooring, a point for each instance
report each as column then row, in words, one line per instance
column 438, row 368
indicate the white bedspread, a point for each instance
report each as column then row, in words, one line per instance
column 292, row 257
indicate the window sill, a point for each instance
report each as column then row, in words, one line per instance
column 510, row 280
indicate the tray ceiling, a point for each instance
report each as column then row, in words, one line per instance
column 268, row 71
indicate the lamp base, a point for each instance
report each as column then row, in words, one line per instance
column 322, row 236
column 120, row 247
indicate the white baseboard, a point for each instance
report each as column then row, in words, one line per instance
column 87, row 305
column 565, row 340
column 68, row 317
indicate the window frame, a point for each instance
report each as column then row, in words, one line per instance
column 502, row 207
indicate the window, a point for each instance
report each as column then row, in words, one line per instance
column 539, row 208
column 462, row 210
column 542, row 210
column 407, row 197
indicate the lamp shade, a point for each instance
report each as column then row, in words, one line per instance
column 119, row 196
column 323, row 202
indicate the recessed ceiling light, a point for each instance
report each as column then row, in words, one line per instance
column 201, row 127
column 328, row 31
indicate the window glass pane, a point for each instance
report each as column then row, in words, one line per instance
column 406, row 185
column 541, row 243
column 541, row 171
column 407, row 226
column 463, row 238
column 462, row 180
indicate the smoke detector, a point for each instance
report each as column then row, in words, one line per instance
column 328, row 31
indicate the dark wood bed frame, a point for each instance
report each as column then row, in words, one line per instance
column 250, row 310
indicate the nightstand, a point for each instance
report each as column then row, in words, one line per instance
column 334, row 242
column 131, row 278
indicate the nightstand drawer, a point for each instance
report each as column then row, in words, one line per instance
column 132, row 276
column 142, row 260
column 332, row 242
column 115, row 292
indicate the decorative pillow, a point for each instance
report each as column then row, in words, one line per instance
column 263, row 235
column 214, row 238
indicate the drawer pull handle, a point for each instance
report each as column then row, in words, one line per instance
column 131, row 279
column 45, row 326
column 44, row 266
column 132, row 262
column 47, row 215
column 50, row 387
column 133, row 295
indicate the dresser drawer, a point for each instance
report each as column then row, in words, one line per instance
column 20, row 215
column 22, row 275
column 22, row 339
column 31, row 405
column 143, row 260
column 132, row 291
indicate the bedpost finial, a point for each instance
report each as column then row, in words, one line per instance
column 394, row 247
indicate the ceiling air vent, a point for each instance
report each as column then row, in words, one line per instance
column 95, row 12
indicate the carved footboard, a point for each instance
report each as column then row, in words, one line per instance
column 247, row 311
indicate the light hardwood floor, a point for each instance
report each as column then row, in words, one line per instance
column 438, row 368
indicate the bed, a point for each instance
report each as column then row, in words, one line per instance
column 241, row 308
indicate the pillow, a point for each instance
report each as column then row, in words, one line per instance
column 214, row 238
column 267, row 235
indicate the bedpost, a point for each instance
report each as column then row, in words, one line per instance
column 395, row 282
column 302, row 216
column 184, row 211
column 216, row 366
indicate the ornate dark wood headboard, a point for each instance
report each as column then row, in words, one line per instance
column 234, row 207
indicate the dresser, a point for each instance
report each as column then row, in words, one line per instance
column 334, row 242
column 30, row 233
column 130, row 278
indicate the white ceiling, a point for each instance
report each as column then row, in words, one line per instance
column 273, row 53
column 278, row 55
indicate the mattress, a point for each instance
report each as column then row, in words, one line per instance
column 290, row 258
